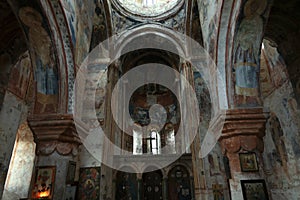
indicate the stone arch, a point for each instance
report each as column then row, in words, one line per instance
column 179, row 164
column 163, row 33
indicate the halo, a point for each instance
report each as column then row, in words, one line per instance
column 29, row 15
column 253, row 7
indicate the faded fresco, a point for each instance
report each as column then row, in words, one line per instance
column 84, row 12
column 45, row 68
column 246, row 51
column 209, row 13
column 20, row 76
column 282, row 147
column 69, row 8
column 100, row 32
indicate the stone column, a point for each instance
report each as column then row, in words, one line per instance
column 56, row 144
column 243, row 131
column 189, row 116
column 110, row 129
column 165, row 187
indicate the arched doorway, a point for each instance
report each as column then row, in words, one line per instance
column 179, row 184
column 126, row 186
column 152, row 182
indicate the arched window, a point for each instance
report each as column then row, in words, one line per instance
column 170, row 147
column 153, row 142
column 137, row 140
column 149, row 2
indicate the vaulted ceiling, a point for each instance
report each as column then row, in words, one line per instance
column 283, row 28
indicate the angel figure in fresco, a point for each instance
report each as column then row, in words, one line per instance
column 247, row 48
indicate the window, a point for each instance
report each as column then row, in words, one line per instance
column 153, row 142
column 137, row 142
column 170, row 147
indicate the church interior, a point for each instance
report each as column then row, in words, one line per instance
column 150, row 99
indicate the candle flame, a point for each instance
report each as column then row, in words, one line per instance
column 43, row 194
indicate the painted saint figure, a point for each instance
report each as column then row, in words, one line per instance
column 45, row 71
column 247, row 49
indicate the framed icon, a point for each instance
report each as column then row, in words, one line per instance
column 44, row 182
column 248, row 162
column 254, row 189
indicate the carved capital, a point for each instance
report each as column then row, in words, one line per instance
column 243, row 129
column 54, row 133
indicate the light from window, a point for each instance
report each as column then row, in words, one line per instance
column 153, row 143
column 170, row 142
column 137, row 143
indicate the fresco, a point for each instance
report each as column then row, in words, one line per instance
column 20, row 76
column 45, row 68
column 69, row 8
column 44, row 65
column 100, row 32
column 247, row 50
column 282, row 148
column 84, row 11
column 89, row 183
column 203, row 97
column 179, row 184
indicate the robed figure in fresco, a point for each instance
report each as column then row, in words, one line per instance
column 247, row 51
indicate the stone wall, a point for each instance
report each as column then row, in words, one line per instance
column 10, row 118
column 281, row 155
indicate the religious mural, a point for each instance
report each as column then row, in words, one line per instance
column 84, row 12
column 204, row 101
column 179, row 184
column 89, row 183
column 247, row 50
column 148, row 7
column 69, row 7
column 20, row 76
column 100, row 31
column 45, row 69
column 273, row 71
column 218, row 192
column 280, row 153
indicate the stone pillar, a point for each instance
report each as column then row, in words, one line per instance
column 110, row 129
column 56, row 144
column 165, row 187
column 189, row 127
column 243, row 131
